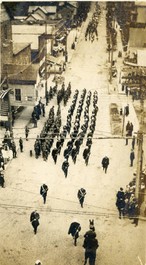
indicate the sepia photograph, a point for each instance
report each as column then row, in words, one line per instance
column 73, row 132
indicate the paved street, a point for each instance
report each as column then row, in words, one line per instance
column 119, row 241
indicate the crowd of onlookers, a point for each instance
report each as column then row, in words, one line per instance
column 127, row 203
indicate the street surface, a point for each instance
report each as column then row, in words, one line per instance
column 119, row 241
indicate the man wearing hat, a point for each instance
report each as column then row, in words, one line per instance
column 120, row 203
column 132, row 157
column 43, row 191
column 74, row 230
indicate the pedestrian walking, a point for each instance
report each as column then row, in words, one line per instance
column 21, row 144
column 43, row 192
column 105, row 163
column 133, row 142
column 65, row 166
column 81, row 196
column 74, row 230
column 26, row 133
column 132, row 157
column 34, row 219
column 91, row 245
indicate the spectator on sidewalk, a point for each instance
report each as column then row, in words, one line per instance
column 136, row 214
column 120, row 202
column 2, row 164
column 26, row 133
column 132, row 157
column 127, row 110
column 14, row 149
column 133, row 142
column 21, row 144
column 43, row 109
column 2, row 180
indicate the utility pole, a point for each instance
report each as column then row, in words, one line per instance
column 66, row 52
column 123, row 122
column 140, row 143
column 9, row 104
column 45, row 53
column 111, row 60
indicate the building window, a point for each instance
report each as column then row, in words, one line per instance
column 18, row 94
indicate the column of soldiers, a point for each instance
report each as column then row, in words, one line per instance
column 51, row 129
column 91, row 30
column 51, row 93
column 63, row 94
column 87, row 150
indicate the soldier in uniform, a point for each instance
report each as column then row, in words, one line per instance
column 43, row 192
column 74, row 230
column 86, row 154
column 105, row 163
column 54, row 154
column 81, row 196
column 65, row 166
column 34, row 219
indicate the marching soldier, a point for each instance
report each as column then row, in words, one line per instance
column 81, row 196
column 65, row 166
column 74, row 230
column 43, row 192
column 105, row 163
column 86, row 154
column 34, row 219
column 54, row 154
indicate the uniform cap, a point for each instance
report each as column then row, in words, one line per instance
column 38, row 262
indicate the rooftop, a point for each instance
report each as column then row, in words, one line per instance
column 17, row 47
column 20, row 73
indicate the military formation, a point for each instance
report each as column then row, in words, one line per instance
column 91, row 30
column 54, row 134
